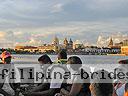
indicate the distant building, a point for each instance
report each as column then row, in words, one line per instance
column 46, row 48
column 65, row 43
column 68, row 45
column 116, row 49
column 110, row 43
column 26, row 48
column 119, row 44
column 124, row 50
column 125, row 43
column 55, row 46
column 78, row 45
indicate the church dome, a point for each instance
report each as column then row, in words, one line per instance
column 70, row 42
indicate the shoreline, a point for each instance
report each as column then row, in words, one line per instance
column 79, row 54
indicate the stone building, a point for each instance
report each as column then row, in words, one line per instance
column 68, row 45
column 110, row 43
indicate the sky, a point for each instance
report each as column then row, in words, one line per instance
column 35, row 22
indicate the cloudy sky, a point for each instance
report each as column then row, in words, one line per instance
column 34, row 22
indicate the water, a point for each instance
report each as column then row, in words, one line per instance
column 86, row 59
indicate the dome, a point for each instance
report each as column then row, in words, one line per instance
column 70, row 41
column 77, row 42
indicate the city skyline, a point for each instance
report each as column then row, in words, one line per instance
column 102, row 41
column 37, row 22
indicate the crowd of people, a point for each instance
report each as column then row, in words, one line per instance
column 85, row 88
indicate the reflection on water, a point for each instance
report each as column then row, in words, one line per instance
column 86, row 59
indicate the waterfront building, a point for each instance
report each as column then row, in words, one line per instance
column 119, row 44
column 124, row 50
column 46, row 48
column 26, row 48
column 110, row 43
column 68, row 45
column 116, row 49
column 90, row 49
column 77, row 45
column 125, row 42
column 65, row 43
column 55, row 46
column 102, row 50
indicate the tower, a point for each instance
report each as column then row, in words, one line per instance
column 65, row 43
column 110, row 43
column 56, row 41
column 71, row 43
column 56, row 44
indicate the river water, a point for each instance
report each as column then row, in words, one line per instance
column 86, row 59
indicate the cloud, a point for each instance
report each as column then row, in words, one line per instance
column 6, row 39
column 33, row 42
column 19, row 14
column 57, row 8
column 2, row 35
column 83, row 19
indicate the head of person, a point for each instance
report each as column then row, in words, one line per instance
column 123, row 61
column 6, row 57
column 123, row 67
column 62, row 54
column 74, row 62
column 3, row 50
column 45, row 59
column 100, row 87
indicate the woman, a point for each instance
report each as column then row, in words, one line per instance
column 101, row 87
column 44, row 88
column 5, row 57
column 75, row 86
column 120, row 87
column 45, row 59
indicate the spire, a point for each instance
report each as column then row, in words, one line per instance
column 56, row 41
column 110, row 42
column 65, row 41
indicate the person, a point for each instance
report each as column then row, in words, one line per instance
column 45, row 63
column 44, row 88
column 123, row 61
column 100, row 87
column 120, row 88
column 61, row 57
column 6, row 57
column 75, row 86
column 45, row 59
column 12, row 83
column 126, row 90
